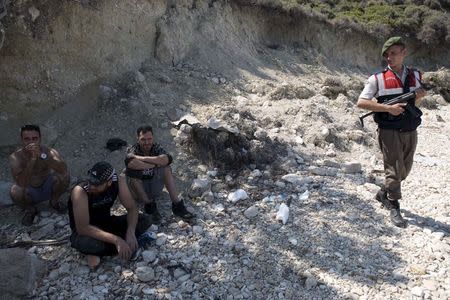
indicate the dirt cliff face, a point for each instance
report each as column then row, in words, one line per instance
column 69, row 45
column 54, row 49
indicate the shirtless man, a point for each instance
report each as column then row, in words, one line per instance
column 39, row 172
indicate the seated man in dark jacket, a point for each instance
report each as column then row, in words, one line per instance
column 95, row 231
column 148, row 171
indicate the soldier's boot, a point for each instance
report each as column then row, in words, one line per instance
column 396, row 216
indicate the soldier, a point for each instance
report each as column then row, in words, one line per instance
column 397, row 135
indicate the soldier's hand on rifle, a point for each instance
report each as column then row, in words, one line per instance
column 396, row 109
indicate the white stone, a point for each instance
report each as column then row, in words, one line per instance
column 283, row 213
column 439, row 235
column 212, row 173
column 199, row 186
column 161, row 240
column 34, row 12
column 149, row 256
column 237, row 195
column 153, row 228
column 251, row 212
column 322, row 171
column 260, row 134
column 325, row 132
column 145, row 274
column 256, row 173
column 351, row 167
column 299, row 140
column 149, row 291
column 280, row 184
column 196, row 229
column 310, row 283
column 186, row 128
column 331, row 163
column 293, row 178
column 218, row 124
column 178, row 273
column 293, row 241
column 219, row 207
column 417, row 291
column 304, row 196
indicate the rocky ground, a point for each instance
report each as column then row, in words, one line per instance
column 287, row 135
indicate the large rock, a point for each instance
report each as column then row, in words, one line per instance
column 199, row 186
column 145, row 273
column 5, row 198
column 19, row 273
column 251, row 212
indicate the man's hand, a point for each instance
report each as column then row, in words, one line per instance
column 123, row 250
column 420, row 93
column 34, row 150
column 396, row 109
column 131, row 241
column 131, row 155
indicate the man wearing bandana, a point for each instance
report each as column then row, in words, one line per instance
column 95, row 232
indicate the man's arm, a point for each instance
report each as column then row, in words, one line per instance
column 55, row 162
column 82, row 223
column 22, row 175
column 132, row 212
column 136, row 164
column 160, row 160
column 374, row 106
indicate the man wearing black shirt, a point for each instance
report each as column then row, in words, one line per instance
column 95, row 231
column 148, row 171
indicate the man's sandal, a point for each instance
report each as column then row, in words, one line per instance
column 28, row 217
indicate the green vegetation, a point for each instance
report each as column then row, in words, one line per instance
column 426, row 20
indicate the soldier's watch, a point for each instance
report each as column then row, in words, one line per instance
column 43, row 156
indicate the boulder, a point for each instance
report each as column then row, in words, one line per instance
column 20, row 272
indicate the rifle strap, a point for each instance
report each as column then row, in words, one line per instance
column 406, row 88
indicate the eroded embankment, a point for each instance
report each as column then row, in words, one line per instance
column 54, row 49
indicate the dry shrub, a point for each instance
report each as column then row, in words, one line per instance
column 440, row 81
column 289, row 91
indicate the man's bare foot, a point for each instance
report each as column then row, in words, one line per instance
column 58, row 206
column 93, row 261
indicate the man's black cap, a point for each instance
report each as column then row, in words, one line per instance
column 100, row 173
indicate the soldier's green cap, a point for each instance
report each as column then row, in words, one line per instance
column 395, row 40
